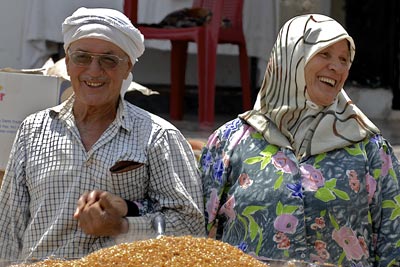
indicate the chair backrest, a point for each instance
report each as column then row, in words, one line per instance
column 228, row 18
column 232, row 25
column 227, row 12
column 232, row 12
column 216, row 8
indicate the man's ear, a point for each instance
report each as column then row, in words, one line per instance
column 129, row 70
column 67, row 63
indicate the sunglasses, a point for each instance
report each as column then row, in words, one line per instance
column 106, row 61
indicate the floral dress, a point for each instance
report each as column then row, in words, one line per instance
column 340, row 207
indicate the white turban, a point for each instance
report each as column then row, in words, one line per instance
column 105, row 24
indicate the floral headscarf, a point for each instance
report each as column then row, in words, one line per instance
column 283, row 112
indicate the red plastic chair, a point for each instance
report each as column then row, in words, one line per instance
column 225, row 26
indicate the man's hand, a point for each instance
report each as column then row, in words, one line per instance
column 101, row 213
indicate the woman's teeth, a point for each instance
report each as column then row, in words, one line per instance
column 327, row 80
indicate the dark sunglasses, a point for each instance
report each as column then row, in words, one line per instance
column 106, row 61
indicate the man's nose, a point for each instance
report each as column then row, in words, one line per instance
column 95, row 64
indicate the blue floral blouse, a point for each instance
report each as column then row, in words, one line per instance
column 340, row 207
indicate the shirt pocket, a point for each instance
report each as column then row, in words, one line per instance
column 129, row 179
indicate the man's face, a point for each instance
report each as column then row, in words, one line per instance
column 97, row 69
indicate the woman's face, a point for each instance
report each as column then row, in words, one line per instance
column 326, row 73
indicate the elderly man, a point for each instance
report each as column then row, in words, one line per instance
column 96, row 170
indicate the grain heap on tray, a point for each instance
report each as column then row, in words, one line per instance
column 163, row 252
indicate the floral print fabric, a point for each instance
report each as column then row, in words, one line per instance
column 340, row 207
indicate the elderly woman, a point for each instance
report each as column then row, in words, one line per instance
column 305, row 175
column 96, row 170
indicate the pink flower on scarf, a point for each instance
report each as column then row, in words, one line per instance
column 347, row 239
column 283, row 163
column 312, row 178
column 286, row 223
column 212, row 205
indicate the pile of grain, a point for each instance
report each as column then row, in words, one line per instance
column 163, row 252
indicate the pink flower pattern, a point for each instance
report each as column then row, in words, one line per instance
column 363, row 245
column 239, row 135
column 212, row 139
column 283, row 163
column 371, row 187
column 312, row 178
column 386, row 162
column 282, row 240
column 347, row 239
column 322, row 253
column 226, row 161
column 286, row 223
column 325, row 222
column 245, row 181
column 353, row 180
column 212, row 205
column 228, row 208
column 319, row 223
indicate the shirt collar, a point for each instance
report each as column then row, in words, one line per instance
column 64, row 112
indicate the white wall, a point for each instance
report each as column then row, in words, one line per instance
column 12, row 15
column 25, row 24
column 11, row 19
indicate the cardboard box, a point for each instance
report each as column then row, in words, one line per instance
column 20, row 95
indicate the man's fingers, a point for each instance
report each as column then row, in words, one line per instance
column 89, row 219
column 81, row 204
column 83, row 199
column 93, row 197
column 87, row 199
column 113, row 204
column 105, row 200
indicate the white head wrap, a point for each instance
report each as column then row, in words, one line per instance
column 105, row 24
column 283, row 112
